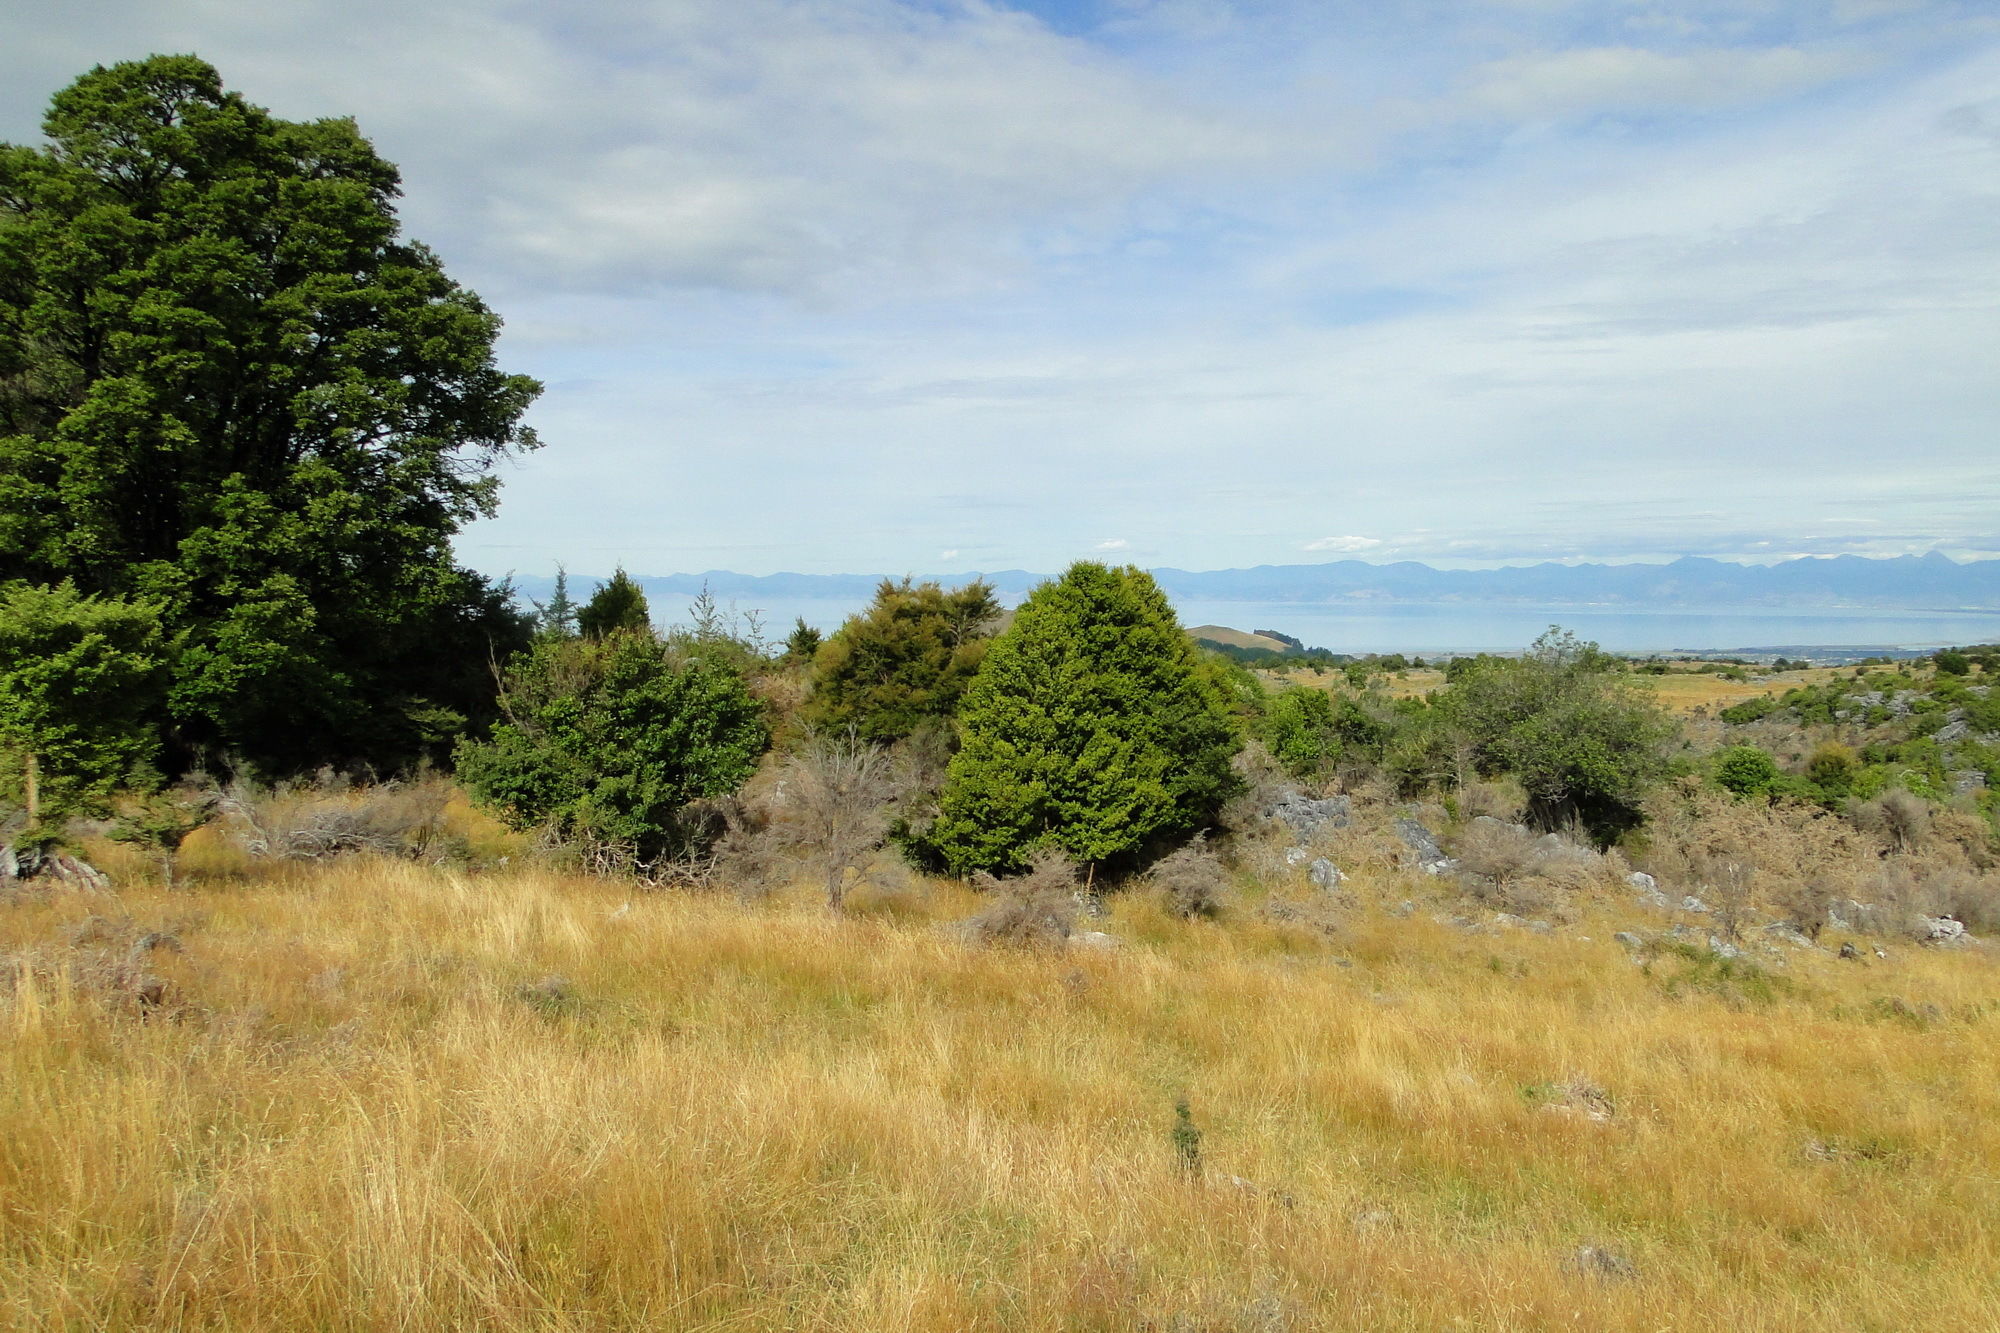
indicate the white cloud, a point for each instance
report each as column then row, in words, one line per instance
column 814, row 148
column 1028, row 283
column 1111, row 544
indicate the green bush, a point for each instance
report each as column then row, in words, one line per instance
column 1299, row 728
column 1580, row 739
column 904, row 662
column 1091, row 728
column 608, row 740
column 1746, row 770
column 618, row 604
column 80, row 685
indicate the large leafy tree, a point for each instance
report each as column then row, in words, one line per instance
column 1092, row 728
column 903, row 662
column 229, row 388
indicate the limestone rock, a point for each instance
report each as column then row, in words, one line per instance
column 1306, row 816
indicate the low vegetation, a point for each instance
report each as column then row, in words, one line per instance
column 369, row 1093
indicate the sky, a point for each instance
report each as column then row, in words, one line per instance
column 930, row 285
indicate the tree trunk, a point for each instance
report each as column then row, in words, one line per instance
column 34, row 790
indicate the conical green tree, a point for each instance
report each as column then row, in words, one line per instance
column 618, row 604
column 1091, row 728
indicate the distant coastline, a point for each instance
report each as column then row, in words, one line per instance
column 1929, row 584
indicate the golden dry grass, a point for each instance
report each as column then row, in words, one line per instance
column 360, row 1105
column 1684, row 693
column 1678, row 692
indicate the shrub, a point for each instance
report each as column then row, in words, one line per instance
column 1833, row 768
column 1746, row 770
column 904, row 662
column 618, row 604
column 1091, row 728
column 1901, row 819
column 1035, row 909
column 1191, row 880
column 315, row 821
column 1583, row 743
column 1298, row 725
column 835, row 808
column 608, row 740
column 81, row 679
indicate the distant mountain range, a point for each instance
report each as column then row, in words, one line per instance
column 1909, row 583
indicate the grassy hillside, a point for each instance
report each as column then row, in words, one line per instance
column 1236, row 638
column 381, row 1096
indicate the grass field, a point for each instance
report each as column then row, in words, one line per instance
column 378, row 1096
column 1678, row 692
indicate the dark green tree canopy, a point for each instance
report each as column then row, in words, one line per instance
column 618, row 604
column 228, row 386
column 1582, row 742
column 607, row 740
column 1091, row 728
column 904, row 661
column 80, row 678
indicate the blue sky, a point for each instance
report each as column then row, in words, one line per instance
column 861, row 285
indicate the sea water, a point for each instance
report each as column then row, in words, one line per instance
column 1418, row 628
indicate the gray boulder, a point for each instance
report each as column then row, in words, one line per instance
column 1325, row 876
column 1490, row 822
column 1306, row 816
column 1423, row 845
column 1943, row 931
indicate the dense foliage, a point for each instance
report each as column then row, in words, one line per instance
column 79, row 680
column 230, row 389
column 607, row 740
column 618, row 604
column 1580, row 740
column 903, row 662
column 1092, row 728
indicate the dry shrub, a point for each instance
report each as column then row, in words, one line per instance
column 327, row 818
column 833, row 808
column 1512, row 869
column 1035, row 910
column 1889, row 900
column 1262, row 778
column 1900, row 818
column 1970, row 896
column 1191, row 880
column 824, row 811
column 1496, row 799
column 1965, row 834
column 1740, row 856
column 1321, row 914
column 1500, row 865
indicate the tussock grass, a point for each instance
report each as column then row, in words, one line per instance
column 379, row 1095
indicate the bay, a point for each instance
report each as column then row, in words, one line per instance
column 1461, row 628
